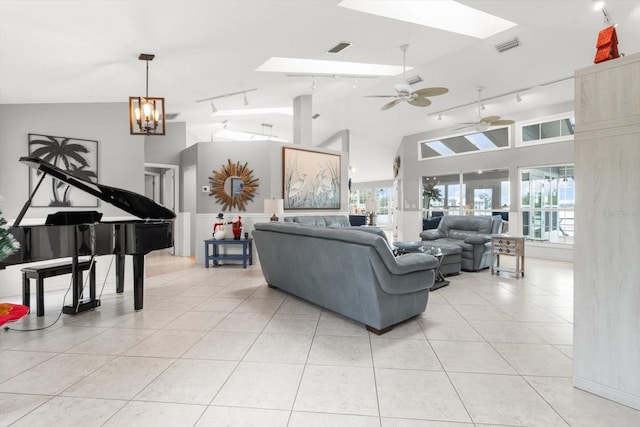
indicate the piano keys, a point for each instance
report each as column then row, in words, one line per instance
column 77, row 234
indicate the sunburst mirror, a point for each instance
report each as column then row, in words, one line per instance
column 233, row 186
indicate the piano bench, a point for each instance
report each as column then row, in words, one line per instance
column 41, row 272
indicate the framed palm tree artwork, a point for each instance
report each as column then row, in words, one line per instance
column 77, row 156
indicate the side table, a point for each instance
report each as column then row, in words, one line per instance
column 510, row 246
column 402, row 248
column 216, row 255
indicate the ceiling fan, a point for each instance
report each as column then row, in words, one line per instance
column 485, row 123
column 417, row 98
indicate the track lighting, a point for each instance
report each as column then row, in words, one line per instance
column 439, row 116
column 313, row 83
column 482, row 107
column 227, row 95
column 518, row 97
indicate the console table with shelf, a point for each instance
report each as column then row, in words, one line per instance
column 213, row 252
column 510, row 246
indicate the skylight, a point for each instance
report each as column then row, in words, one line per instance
column 317, row 67
column 440, row 148
column 445, row 15
column 288, row 111
column 481, row 141
column 492, row 139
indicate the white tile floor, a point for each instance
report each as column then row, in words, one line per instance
column 217, row 347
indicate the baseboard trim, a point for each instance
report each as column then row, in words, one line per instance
column 607, row 392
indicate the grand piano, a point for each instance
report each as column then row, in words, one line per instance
column 82, row 233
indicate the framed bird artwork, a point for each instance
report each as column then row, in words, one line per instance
column 310, row 179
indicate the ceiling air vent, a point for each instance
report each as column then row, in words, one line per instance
column 509, row 44
column 413, row 80
column 171, row 116
column 339, row 47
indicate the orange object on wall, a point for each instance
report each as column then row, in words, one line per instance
column 607, row 45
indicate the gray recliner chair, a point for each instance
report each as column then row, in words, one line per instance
column 472, row 233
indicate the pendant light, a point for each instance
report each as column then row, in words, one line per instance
column 146, row 114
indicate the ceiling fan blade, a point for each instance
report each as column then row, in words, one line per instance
column 380, row 96
column 420, row 101
column 489, row 119
column 390, row 104
column 503, row 122
column 432, row 91
column 468, row 123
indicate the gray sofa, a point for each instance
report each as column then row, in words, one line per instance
column 471, row 233
column 351, row 271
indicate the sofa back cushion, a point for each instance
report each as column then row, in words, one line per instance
column 461, row 226
column 320, row 220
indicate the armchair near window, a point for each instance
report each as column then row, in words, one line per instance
column 471, row 233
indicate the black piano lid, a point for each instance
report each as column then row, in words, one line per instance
column 130, row 202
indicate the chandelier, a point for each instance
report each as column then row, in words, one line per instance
column 146, row 114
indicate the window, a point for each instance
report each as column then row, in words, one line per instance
column 551, row 129
column 487, row 191
column 547, row 203
column 482, row 199
column 477, row 193
column 357, row 200
column 493, row 139
column 384, row 197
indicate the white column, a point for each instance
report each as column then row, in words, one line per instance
column 607, row 240
column 302, row 112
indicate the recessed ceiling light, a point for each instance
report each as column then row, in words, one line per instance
column 288, row 111
column 317, row 67
column 445, row 15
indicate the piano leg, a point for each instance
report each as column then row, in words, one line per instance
column 120, row 273
column 138, row 281
column 79, row 304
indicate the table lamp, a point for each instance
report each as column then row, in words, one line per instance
column 275, row 206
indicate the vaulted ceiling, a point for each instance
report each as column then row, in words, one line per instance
column 72, row 51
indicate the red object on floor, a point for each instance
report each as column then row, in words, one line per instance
column 11, row 312
column 607, row 45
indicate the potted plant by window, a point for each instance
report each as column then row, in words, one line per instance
column 431, row 194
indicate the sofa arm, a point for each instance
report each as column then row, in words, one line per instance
column 478, row 239
column 409, row 263
column 414, row 272
column 431, row 234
